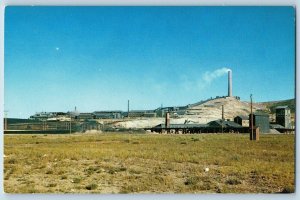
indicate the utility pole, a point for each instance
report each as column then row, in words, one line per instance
column 222, row 117
column 70, row 123
column 251, row 137
column 128, row 109
column 5, row 119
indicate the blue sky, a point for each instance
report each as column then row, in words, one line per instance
column 96, row 58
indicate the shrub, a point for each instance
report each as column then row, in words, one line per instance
column 76, row 180
column 192, row 181
column 12, row 161
column 91, row 186
column 233, row 181
column 117, row 169
column 183, row 142
column 49, row 171
column 288, row 189
column 52, row 185
column 126, row 140
column 195, row 139
column 63, row 177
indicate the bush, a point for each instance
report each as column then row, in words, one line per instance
column 76, row 180
column 117, row 169
column 49, row 171
column 63, row 177
column 12, row 161
column 52, row 185
column 183, row 142
column 91, row 186
column 288, row 189
column 233, row 181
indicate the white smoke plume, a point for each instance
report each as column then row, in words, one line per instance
column 208, row 77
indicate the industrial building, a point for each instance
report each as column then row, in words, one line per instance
column 173, row 110
column 83, row 116
column 43, row 116
column 222, row 123
column 113, row 114
column 217, row 126
column 140, row 113
column 261, row 120
column 283, row 116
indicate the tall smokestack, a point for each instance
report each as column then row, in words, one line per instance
column 229, row 83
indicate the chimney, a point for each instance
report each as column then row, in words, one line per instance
column 167, row 124
column 229, row 83
column 128, row 109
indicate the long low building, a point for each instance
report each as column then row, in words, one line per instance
column 217, row 126
column 110, row 114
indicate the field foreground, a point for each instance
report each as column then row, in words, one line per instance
column 148, row 163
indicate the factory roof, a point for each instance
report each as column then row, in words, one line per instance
column 282, row 107
column 141, row 111
column 85, row 113
column 261, row 113
column 107, row 111
column 181, row 125
column 224, row 123
column 244, row 117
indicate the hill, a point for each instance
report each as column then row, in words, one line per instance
column 209, row 110
column 271, row 105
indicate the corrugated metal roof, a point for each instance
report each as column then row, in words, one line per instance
column 181, row 125
column 107, row 111
column 224, row 123
column 261, row 113
column 85, row 114
column 141, row 111
column 282, row 107
column 244, row 117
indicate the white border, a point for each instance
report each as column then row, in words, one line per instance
column 4, row 3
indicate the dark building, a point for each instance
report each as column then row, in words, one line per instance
column 261, row 120
column 85, row 116
column 242, row 120
column 283, row 116
column 182, row 126
column 140, row 113
column 224, row 124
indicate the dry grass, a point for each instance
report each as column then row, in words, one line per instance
column 145, row 163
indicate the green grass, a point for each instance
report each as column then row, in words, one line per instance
column 146, row 163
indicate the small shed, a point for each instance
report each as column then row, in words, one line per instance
column 242, row 120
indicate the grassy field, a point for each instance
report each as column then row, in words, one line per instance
column 148, row 163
